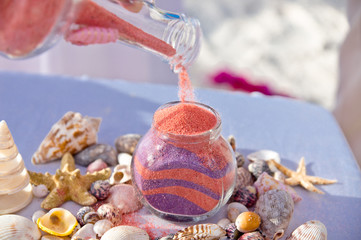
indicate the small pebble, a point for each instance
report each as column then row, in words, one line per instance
column 40, row 191
column 234, row 209
column 97, row 165
column 97, row 151
column 127, row 143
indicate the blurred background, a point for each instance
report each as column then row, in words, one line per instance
column 287, row 47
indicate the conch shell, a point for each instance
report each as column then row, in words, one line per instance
column 72, row 133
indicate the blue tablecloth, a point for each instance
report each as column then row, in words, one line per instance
column 31, row 104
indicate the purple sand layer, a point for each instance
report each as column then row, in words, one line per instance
column 164, row 159
column 174, row 204
column 153, row 184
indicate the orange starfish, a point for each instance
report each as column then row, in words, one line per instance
column 299, row 177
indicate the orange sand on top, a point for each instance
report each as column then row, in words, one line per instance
column 184, row 119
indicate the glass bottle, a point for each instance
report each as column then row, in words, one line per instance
column 184, row 178
column 28, row 28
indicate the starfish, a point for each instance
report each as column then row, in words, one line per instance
column 299, row 177
column 68, row 184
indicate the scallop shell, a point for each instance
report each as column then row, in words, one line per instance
column 81, row 213
column 100, row 189
column 223, row 222
column 18, row 227
column 102, row 226
column 91, row 217
column 244, row 178
column 234, row 209
column 275, row 208
column 125, row 233
column 232, row 231
column 86, row 232
column 123, row 197
column 248, row 221
column 258, row 167
column 265, row 183
column 72, row 133
column 58, row 222
column 313, row 229
column 40, row 191
column 251, row 236
column 111, row 213
column 246, row 195
column 127, row 143
column 201, row 231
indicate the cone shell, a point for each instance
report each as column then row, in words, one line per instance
column 265, row 183
column 58, row 222
column 275, row 208
column 18, row 227
column 71, row 133
column 200, row 231
column 314, row 229
column 125, row 233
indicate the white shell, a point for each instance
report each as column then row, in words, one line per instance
column 86, row 232
column 40, row 191
column 313, row 229
column 101, row 226
column 18, row 227
column 125, row 233
column 265, row 155
column 201, row 231
column 37, row 214
column 234, row 209
column 124, row 162
column 223, row 222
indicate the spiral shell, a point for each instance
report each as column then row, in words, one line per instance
column 18, row 227
column 201, row 231
column 125, row 233
column 232, row 231
column 81, row 213
column 244, row 178
column 313, row 229
column 246, row 196
column 100, row 189
column 91, row 217
column 110, row 212
column 251, row 236
column 275, row 208
column 258, row 167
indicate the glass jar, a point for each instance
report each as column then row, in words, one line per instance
column 28, row 28
column 182, row 177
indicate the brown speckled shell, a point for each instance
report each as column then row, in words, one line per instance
column 275, row 208
column 110, row 212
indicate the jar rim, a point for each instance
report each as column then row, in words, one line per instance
column 209, row 134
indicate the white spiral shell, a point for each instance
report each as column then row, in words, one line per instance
column 313, row 229
column 125, row 233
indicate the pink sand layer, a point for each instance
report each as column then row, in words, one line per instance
column 184, row 119
column 24, row 24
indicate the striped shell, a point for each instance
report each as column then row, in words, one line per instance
column 246, row 196
column 265, row 183
column 201, row 231
column 258, row 167
column 110, row 212
column 81, row 213
column 100, row 189
column 91, row 217
column 92, row 35
column 125, row 233
column 251, row 236
column 232, row 231
column 275, row 208
column 244, row 178
column 18, row 227
column 313, row 229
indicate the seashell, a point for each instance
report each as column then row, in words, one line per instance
column 72, row 133
column 265, row 155
column 58, row 222
column 116, row 177
column 239, row 159
column 258, row 167
column 15, row 190
column 251, row 236
column 124, row 160
column 97, row 165
column 265, row 183
column 201, row 231
column 18, row 227
column 125, row 233
column 223, row 222
column 81, row 212
column 101, row 226
column 104, row 152
column 168, row 237
column 100, row 189
column 232, row 231
column 40, row 191
column 111, row 213
column 313, row 229
column 244, row 178
column 279, row 176
column 127, row 143
column 248, row 222
column 123, row 196
column 246, row 195
column 86, row 232
column 51, row 237
column 232, row 141
column 234, row 209
column 91, row 217
column 275, row 208
column 37, row 215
